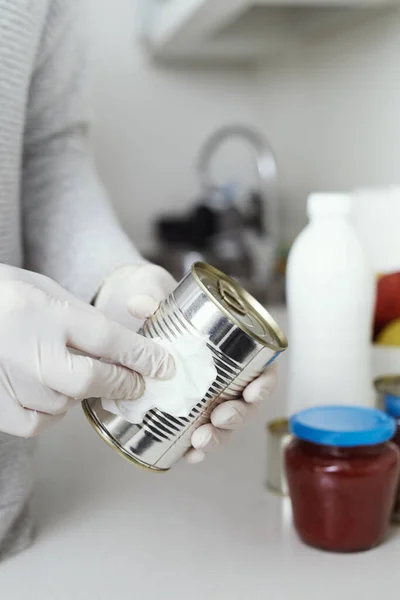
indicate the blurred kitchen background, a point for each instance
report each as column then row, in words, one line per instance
column 317, row 85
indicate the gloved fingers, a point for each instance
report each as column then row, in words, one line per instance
column 21, row 422
column 100, row 337
column 49, row 402
column 261, row 388
column 142, row 306
column 83, row 377
column 91, row 332
column 156, row 284
column 193, row 456
column 43, row 284
column 232, row 414
column 207, row 437
column 38, row 422
column 30, row 390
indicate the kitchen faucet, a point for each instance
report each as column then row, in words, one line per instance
column 266, row 167
column 241, row 240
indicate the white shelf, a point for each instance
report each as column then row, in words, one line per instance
column 241, row 30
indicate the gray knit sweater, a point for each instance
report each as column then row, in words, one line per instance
column 54, row 215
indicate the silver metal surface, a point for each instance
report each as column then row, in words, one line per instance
column 278, row 437
column 384, row 386
column 196, row 308
column 388, row 384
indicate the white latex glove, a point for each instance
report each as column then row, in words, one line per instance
column 134, row 292
column 50, row 344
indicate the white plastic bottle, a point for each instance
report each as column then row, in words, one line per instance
column 330, row 294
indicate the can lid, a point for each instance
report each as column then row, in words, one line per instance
column 279, row 428
column 388, row 384
column 343, row 426
column 244, row 310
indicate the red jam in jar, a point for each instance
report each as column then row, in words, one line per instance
column 342, row 475
column 392, row 406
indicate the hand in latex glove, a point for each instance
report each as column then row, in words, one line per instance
column 136, row 291
column 50, row 344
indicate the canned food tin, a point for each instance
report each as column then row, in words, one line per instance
column 243, row 338
column 388, row 390
column 278, row 436
column 384, row 386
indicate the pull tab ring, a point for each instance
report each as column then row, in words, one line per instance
column 231, row 297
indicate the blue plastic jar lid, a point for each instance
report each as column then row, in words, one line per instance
column 343, row 426
column 392, row 405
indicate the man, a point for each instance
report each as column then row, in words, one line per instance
column 55, row 221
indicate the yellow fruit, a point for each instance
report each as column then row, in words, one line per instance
column 390, row 335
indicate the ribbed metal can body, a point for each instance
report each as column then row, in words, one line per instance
column 243, row 339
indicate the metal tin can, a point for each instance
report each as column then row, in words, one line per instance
column 278, row 436
column 388, row 384
column 243, row 338
column 387, row 387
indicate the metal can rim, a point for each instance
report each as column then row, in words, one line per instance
column 278, row 427
column 267, row 319
column 112, row 442
column 383, row 384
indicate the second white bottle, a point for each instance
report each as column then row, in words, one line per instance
column 330, row 295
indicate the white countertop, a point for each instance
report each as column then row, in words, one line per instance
column 108, row 530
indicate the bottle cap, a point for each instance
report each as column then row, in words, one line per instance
column 343, row 426
column 329, row 204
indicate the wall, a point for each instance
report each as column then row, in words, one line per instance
column 332, row 114
column 150, row 122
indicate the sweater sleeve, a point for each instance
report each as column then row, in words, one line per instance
column 71, row 233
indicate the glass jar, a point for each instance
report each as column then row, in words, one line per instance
column 342, row 474
column 392, row 407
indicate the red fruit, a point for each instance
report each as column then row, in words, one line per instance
column 388, row 301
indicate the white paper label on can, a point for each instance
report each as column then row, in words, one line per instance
column 194, row 375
